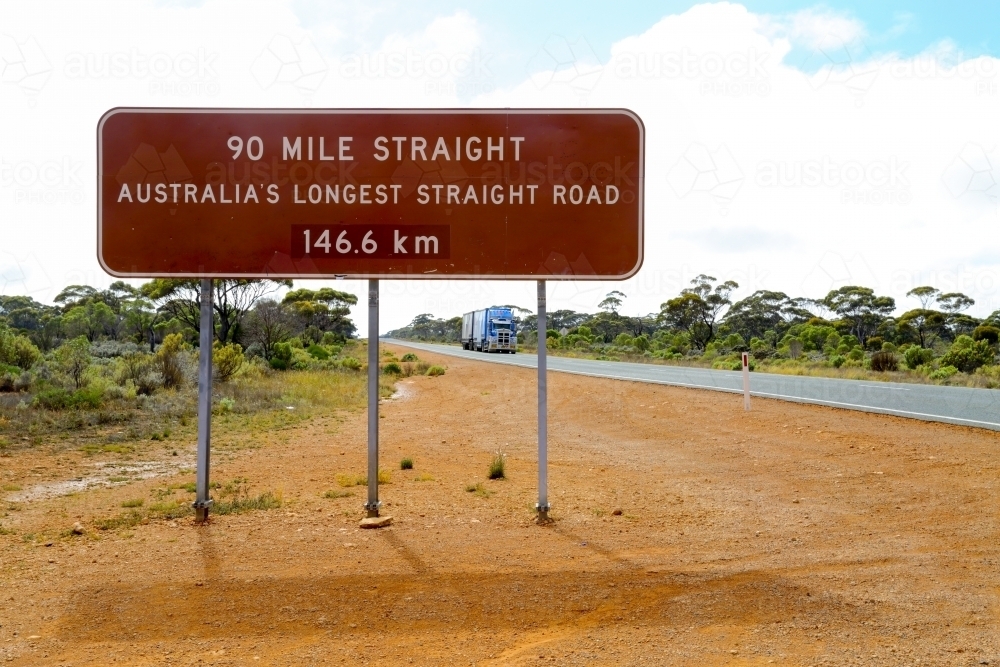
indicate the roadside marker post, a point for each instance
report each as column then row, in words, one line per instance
column 174, row 169
column 543, row 408
column 746, row 381
column 372, row 506
column 202, row 502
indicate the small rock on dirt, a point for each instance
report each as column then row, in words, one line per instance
column 77, row 528
column 616, row 512
column 376, row 521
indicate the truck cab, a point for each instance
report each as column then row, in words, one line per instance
column 490, row 330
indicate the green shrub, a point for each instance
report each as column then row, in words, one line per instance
column 168, row 359
column 136, row 367
column 987, row 333
column 282, row 358
column 351, row 364
column 17, row 350
column 90, row 398
column 943, row 373
column 228, row 360
column 73, row 358
column 967, row 354
column 406, row 464
column 318, row 352
column 392, row 368
column 737, row 365
column 917, row 356
column 52, row 399
column 409, row 356
column 837, row 360
column 301, row 360
column 434, row 371
column 60, row 399
column 623, row 340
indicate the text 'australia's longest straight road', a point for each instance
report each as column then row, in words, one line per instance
column 508, row 194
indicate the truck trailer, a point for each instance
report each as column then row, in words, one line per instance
column 489, row 330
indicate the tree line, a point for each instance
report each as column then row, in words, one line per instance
column 851, row 325
column 245, row 313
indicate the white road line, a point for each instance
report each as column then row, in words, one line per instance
column 875, row 386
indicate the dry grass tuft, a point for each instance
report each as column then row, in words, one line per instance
column 498, row 465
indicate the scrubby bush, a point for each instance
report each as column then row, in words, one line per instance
column 351, row 364
column 967, row 354
column 884, row 361
column 17, row 350
column 943, row 373
column 623, row 340
column 282, row 358
column 409, row 356
column 733, row 341
column 392, row 368
column 8, row 377
column 434, row 371
column 917, row 356
column 56, row 398
column 137, row 368
column 406, row 464
column 73, row 358
column 227, row 360
column 109, row 349
column 987, row 333
column 318, row 352
column 169, row 360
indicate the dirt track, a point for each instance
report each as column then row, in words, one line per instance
column 795, row 535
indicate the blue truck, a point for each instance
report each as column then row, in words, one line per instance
column 489, row 330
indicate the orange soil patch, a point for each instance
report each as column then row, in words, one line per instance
column 792, row 535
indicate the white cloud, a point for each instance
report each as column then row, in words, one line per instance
column 902, row 195
column 815, row 29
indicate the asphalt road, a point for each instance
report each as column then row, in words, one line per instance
column 954, row 405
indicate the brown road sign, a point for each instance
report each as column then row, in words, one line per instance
column 422, row 193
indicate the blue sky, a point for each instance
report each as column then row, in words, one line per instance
column 515, row 30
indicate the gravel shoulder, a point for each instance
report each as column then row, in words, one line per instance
column 792, row 535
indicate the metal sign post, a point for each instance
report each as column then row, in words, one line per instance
column 543, row 426
column 371, row 507
column 202, row 502
column 746, row 381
